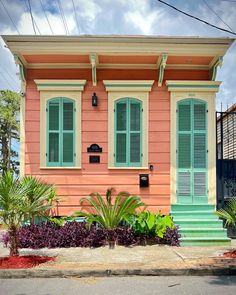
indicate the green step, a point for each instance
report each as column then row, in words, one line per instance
column 203, row 232
column 194, row 223
column 205, row 241
column 192, row 208
column 194, row 215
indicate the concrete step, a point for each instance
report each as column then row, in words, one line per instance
column 203, row 232
column 192, row 207
column 205, row 241
column 194, row 215
column 195, row 223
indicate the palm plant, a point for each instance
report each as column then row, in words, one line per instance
column 40, row 198
column 12, row 199
column 229, row 213
column 110, row 214
column 21, row 200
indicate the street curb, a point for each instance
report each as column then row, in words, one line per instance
column 55, row 273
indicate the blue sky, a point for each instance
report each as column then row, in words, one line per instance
column 126, row 17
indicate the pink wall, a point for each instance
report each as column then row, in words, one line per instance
column 74, row 184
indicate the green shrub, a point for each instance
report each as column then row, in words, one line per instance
column 150, row 224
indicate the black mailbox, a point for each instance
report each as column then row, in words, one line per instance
column 143, row 180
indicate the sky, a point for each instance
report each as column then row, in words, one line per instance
column 125, row 17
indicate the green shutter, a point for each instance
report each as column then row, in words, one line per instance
column 60, row 132
column 128, row 135
column 192, row 151
column 53, row 132
column 68, row 133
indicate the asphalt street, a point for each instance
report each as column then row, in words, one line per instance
column 121, row 285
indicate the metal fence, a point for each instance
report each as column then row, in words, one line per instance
column 225, row 156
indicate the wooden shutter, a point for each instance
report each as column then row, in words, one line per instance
column 199, row 149
column 135, row 133
column 128, row 132
column 60, row 132
column 121, row 132
column 53, row 132
column 68, row 133
column 191, row 151
column 184, row 152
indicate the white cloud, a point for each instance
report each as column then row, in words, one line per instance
column 123, row 17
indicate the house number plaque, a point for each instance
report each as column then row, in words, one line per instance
column 94, row 148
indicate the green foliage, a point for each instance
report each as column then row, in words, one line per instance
column 110, row 214
column 22, row 199
column 39, row 199
column 9, row 130
column 150, row 224
column 229, row 213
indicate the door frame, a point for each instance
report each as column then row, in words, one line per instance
column 205, row 91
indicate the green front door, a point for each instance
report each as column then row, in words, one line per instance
column 191, row 151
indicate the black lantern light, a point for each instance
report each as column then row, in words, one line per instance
column 94, row 100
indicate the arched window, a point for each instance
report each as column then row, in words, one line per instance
column 60, row 132
column 128, row 133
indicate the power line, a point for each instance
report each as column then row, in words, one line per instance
column 31, row 16
column 232, row 1
column 63, row 17
column 209, row 7
column 33, row 21
column 9, row 16
column 76, row 20
column 196, row 18
column 2, row 76
column 46, row 16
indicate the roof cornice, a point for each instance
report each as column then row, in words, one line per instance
column 21, row 44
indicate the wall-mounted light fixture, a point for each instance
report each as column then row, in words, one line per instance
column 94, row 100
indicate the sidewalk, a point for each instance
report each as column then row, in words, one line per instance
column 138, row 260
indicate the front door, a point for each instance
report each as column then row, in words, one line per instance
column 191, row 151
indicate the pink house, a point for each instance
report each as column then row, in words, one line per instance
column 131, row 112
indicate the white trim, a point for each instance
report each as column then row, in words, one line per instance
column 22, row 135
column 195, row 85
column 61, row 168
column 114, row 66
column 128, row 85
column 44, row 97
column 60, row 85
column 129, row 168
column 209, row 97
column 117, row 44
column 112, row 97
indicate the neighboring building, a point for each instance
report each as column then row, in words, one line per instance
column 226, row 130
column 155, row 115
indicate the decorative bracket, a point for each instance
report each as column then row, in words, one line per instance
column 218, row 62
column 94, row 62
column 22, row 71
column 161, row 64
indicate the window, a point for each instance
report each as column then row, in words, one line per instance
column 60, row 151
column 128, row 133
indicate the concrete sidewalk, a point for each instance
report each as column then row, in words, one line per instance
column 138, row 260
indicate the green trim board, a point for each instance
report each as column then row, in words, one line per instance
column 60, row 144
column 128, row 133
column 191, row 151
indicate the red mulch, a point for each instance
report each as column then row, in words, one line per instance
column 23, row 261
column 230, row 254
